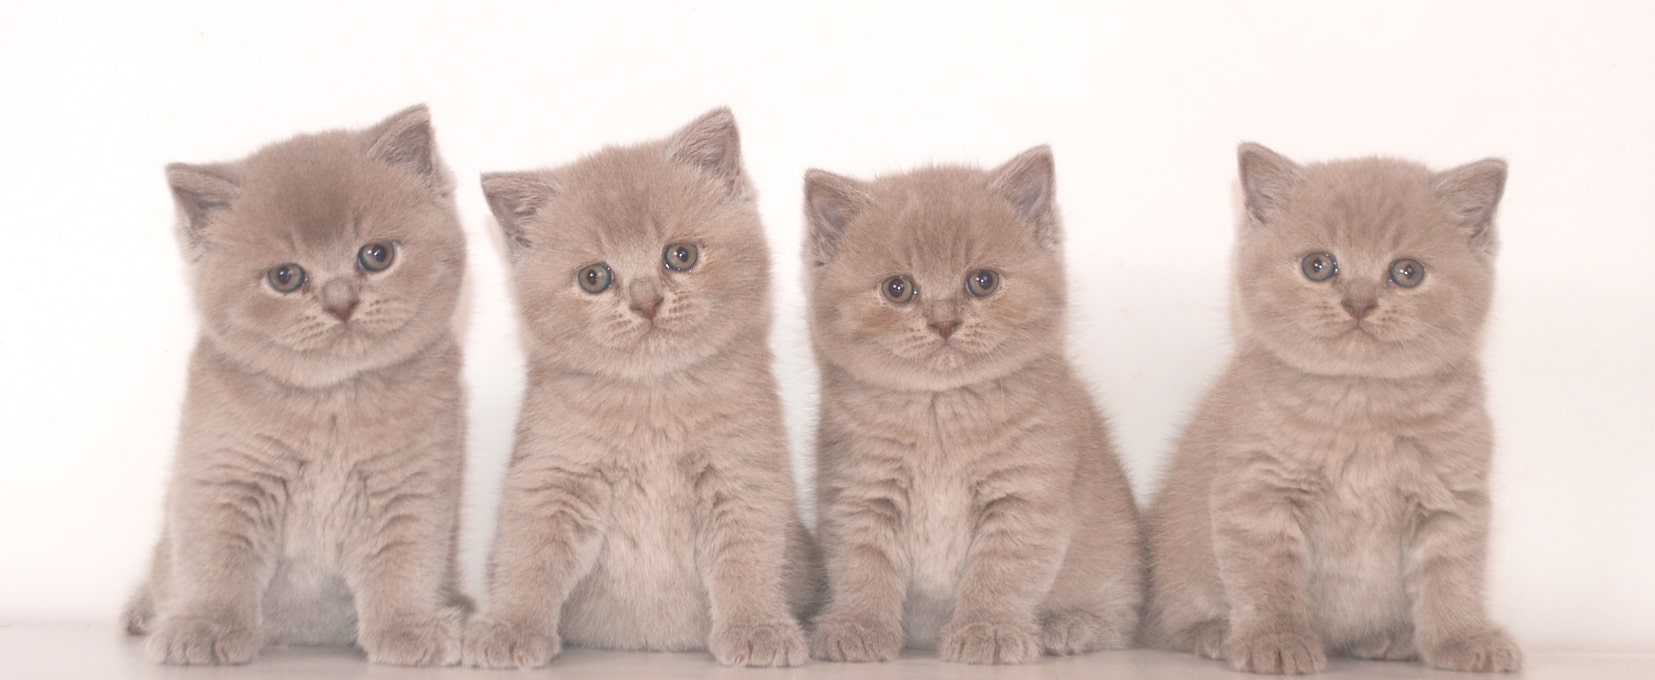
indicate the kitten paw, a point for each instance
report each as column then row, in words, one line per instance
column 1285, row 653
column 1078, row 632
column 1208, row 637
column 988, row 642
column 421, row 640
column 778, row 643
column 838, row 640
column 492, row 643
column 196, row 641
column 139, row 615
column 1490, row 651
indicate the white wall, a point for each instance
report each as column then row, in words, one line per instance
column 1144, row 103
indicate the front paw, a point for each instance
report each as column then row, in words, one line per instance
column 192, row 640
column 845, row 640
column 777, row 643
column 1290, row 652
column 1489, row 651
column 492, row 643
column 419, row 640
column 999, row 642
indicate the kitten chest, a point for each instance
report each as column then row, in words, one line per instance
column 1356, row 530
column 938, row 532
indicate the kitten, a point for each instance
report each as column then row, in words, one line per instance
column 1331, row 495
column 649, row 503
column 969, row 496
column 315, row 493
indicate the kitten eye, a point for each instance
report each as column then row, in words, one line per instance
column 982, row 283
column 899, row 289
column 681, row 257
column 1407, row 272
column 595, row 278
column 376, row 257
column 1319, row 266
column 286, row 278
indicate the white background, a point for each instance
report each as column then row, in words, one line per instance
column 1143, row 102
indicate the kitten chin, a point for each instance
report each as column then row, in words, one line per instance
column 1331, row 494
column 320, row 450
column 649, row 503
column 970, row 499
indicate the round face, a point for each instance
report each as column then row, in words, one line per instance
column 328, row 265
column 937, row 283
column 1363, row 270
column 640, row 266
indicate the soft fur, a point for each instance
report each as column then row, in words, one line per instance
column 649, row 503
column 1331, row 494
column 969, row 495
column 315, row 493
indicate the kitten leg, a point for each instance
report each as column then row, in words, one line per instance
column 551, row 525
column 1015, row 556
column 222, row 522
column 397, row 563
column 139, row 614
column 742, row 527
column 1260, row 546
column 862, row 621
column 1445, row 579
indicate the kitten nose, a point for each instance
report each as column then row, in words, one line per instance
column 339, row 299
column 1358, row 308
column 341, row 310
column 646, row 308
column 945, row 328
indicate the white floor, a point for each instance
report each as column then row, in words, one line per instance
column 32, row 652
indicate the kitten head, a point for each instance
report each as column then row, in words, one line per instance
column 321, row 257
column 1371, row 267
column 641, row 260
column 939, row 277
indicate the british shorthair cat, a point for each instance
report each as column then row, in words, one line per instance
column 649, row 503
column 1331, row 494
column 970, row 499
column 315, row 492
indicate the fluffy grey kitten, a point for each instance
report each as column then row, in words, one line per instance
column 315, row 490
column 970, row 498
column 1331, row 495
column 649, row 503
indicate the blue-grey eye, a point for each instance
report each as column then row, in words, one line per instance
column 1407, row 272
column 286, row 278
column 681, row 257
column 899, row 289
column 1319, row 266
column 595, row 278
column 376, row 257
column 983, row 282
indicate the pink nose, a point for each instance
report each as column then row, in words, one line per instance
column 1358, row 309
column 945, row 328
column 646, row 308
column 342, row 311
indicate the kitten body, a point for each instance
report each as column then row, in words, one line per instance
column 315, row 493
column 1331, row 493
column 970, row 500
column 649, row 503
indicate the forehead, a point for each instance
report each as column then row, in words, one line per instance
column 632, row 198
column 313, row 192
column 945, row 217
column 1370, row 206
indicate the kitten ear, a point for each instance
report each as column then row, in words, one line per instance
column 832, row 202
column 407, row 140
column 712, row 144
column 200, row 191
column 1266, row 177
column 1029, row 182
column 1472, row 192
column 514, row 198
